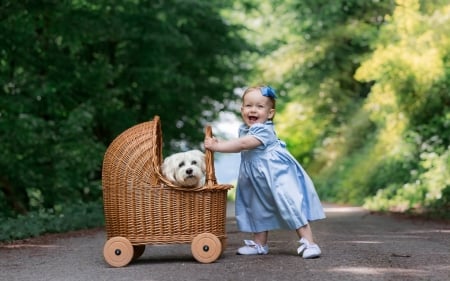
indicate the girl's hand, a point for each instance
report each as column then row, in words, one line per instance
column 232, row 146
column 210, row 143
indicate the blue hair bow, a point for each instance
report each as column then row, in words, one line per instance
column 267, row 91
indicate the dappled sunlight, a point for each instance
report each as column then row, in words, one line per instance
column 430, row 231
column 343, row 209
column 363, row 270
column 362, row 242
column 393, row 235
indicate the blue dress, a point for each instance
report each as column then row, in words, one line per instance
column 273, row 190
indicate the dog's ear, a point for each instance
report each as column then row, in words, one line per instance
column 168, row 168
column 201, row 156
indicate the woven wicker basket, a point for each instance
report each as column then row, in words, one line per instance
column 142, row 207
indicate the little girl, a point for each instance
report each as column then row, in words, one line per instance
column 273, row 190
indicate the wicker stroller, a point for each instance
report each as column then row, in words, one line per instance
column 142, row 208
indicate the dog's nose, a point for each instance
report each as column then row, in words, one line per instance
column 189, row 171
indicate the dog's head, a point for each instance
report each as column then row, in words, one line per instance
column 185, row 168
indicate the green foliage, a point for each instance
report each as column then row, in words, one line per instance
column 314, row 50
column 403, row 167
column 231, row 194
column 366, row 101
column 75, row 74
column 415, row 76
column 428, row 192
column 60, row 219
column 363, row 86
column 440, row 208
column 314, row 69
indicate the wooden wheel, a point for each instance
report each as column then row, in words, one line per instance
column 206, row 247
column 118, row 251
column 138, row 251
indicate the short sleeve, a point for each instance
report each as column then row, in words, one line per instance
column 264, row 133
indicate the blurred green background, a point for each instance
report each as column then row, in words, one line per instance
column 364, row 92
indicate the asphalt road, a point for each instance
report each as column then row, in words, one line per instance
column 356, row 245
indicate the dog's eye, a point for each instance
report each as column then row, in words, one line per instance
column 194, row 162
column 181, row 165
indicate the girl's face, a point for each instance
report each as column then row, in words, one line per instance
column 256, row 108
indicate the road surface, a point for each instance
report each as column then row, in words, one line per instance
column 356, row 245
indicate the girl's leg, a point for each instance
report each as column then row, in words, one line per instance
column 305, row 232
column 308, row 249
column 261, row 237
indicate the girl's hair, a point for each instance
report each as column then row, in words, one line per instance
column 249, row 89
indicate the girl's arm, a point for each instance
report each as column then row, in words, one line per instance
column 235, row 145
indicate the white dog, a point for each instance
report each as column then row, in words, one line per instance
column 185, row 169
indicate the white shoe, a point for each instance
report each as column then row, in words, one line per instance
column 251, row 248
column 308, row 250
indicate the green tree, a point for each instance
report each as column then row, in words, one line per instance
column 364, row 88
column 410, row 105
column 317, row 47
column 75, row 74
column 366, row 85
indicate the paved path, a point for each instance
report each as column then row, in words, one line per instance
column 356, row 246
